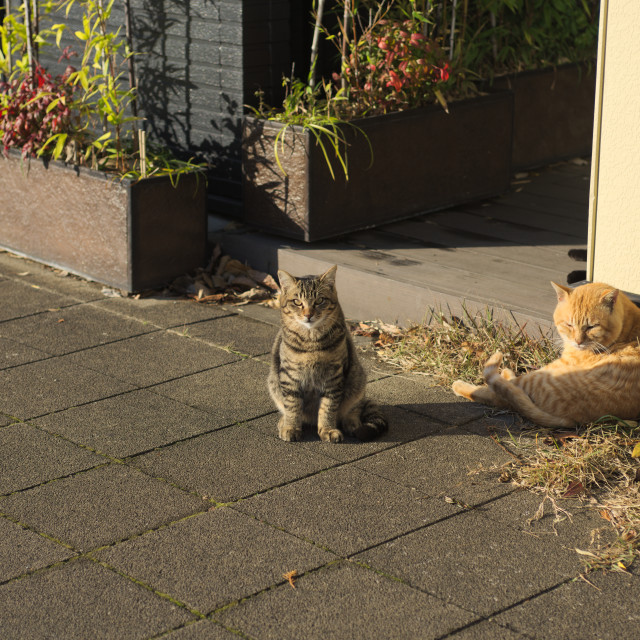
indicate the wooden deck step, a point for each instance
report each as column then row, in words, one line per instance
column 499, row 254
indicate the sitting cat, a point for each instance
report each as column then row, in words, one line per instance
column 315, row 375
column 597, row 374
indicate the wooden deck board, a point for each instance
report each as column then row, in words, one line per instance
column 501, row 253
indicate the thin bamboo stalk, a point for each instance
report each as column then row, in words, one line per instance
column 314, row 45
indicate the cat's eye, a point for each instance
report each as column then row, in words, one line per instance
column 568, row 325
column 297, row 302
column 320, row 301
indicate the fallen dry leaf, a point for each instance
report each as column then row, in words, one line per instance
column 290, row 576
column 574, row 489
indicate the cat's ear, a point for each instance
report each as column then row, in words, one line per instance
column 286, row 280
column 561, row 291
column 609, row 298
column 329, row 276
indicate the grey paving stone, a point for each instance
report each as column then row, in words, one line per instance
column 422, row 395
column 22, row 550
column 403, row 426
column 39, row 388
column 606, row 608
column 232, row 393
column 71, row 329
column 474, row 562
column 237, row 333
column 259, row 312
column 231, row 463
column 346, row 509
column 344, row 601
column 571, row 523
column 202, row 630
column 128, row 424
column 80, row 600
column 153, row 358
column 465, row 467
column 486, row 630
column 20, row 299
column 54, row 280
column 29, row 457
column 162, row 312
column 13, row 353
column 100, row 506
column 214, row 558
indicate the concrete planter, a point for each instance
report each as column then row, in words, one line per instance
column 423, row 160
column 130, row 235
column 553, row 113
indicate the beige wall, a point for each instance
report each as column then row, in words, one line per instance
column 614, row 226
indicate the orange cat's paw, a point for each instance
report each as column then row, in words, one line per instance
column 463, row 389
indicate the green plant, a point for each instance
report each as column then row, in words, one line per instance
column 100, row 128
column 316, row 109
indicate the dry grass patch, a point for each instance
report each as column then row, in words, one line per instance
column 449, row 347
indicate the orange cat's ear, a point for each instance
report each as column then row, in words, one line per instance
column 561, row 291
column 609, row 298
column 286, row 280
column 329, row 276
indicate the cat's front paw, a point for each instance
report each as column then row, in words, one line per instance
column 288, row 433
column 331, row 435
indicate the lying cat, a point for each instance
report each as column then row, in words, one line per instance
column 597, row 374
column 315, row 375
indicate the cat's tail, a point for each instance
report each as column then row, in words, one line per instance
column 517, row 398
column 372, row 422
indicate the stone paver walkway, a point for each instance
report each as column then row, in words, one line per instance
column 144, row 493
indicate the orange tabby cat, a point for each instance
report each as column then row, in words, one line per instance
column 597, row 374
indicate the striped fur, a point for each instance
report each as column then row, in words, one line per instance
column 597, row 374
column 315, row 374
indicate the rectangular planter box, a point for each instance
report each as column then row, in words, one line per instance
column 423, row 160
column 130, row 235
column 553, row 113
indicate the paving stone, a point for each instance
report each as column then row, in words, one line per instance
column 151, row 359
column 474, row 562
column 344, row 601
column 39, row 388
column 128, row 424
column 29, row 457
column 22, row 550
column 346, row 509
column 403, row 426
column 202, row 630
column 214, row 558
column 237, row 333
column 53, row 280
column 259, row 312
column 606, row 608
column 486, row 630
column 574, row 524
column 464, row 467
column 13, row 353
column 422, row 395
column 231, row 463
column 80, row 600
column 70, row 329
column 100, row 506
column 20, row 299
column 232, row 393
column 162, row 312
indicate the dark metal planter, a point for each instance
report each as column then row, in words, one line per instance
column 553, row 113
column 423, row 160
column 130, row 235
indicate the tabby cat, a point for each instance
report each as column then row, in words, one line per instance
column 597, row 374
column 315, row 374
